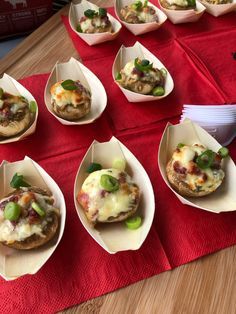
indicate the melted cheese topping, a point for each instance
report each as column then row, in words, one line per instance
column 128, row 68
column 110, row 204
column 23, row 229
column 181, row 3
column 93, row 23
column 64, row 97
column 146, row 17
column 185, row 156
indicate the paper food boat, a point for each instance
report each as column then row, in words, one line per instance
column 16, row 263
column 184, row 16
column 10, row 85
column 219, row 9
column 142, row 28
column 126, row 54
column 75, row 14
column 115, row 237
column 75, row 70
column 224, row 198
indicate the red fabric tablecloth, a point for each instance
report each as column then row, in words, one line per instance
column 80, row 269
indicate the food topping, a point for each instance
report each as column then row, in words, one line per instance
column 179, row 4
column 133, row 223
column 93, row 167
column 94, row 22
column 139, row 12
column 109, row 183
column 142, row 77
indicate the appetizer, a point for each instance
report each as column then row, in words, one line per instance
column 28, row 218
column 141, row 77
column 194, row 170
column 109, row 195
column 139, row 12
column 70, row 100
column 179, row 4
column 95, row 22
column 16, row 114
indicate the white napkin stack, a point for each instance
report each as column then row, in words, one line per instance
column 218, row 120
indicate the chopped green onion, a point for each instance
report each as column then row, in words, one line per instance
column 68, row 85
column 158, row 91
column 90, row 13
column 79, row 29
column 163, row 72
column 142, row 65
column 93, row 167
column 109, row 183
column 39, row 210
column 180, row 145
column 18, row 181
column 1, row 92
column 33, row 106
column 133, row 222
column 206, row 159
column 102, row 12
column 118, row 76
column 137, row 5
column 223, row 152
column 12, row 211
column 119, row 164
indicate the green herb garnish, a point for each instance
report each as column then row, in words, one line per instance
column 90, row 13
column 142, row 65
column 137, row 5
column 206, row 159
column 93, row 167
column 1, row 92
column 180, row 145
column 102, row 12
column 79, row 29
column 18, row 181
column 68, row 85
column 118, row 76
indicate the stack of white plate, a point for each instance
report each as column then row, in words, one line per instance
column 219, row 121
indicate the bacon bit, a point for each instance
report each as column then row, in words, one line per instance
column 122, row 177
column 217, row 161
column 83, row 18
column 104, row 193
column 83, row 199
column 178, row 168
column 33, row 217
column 177, row 150
column 3, row 204
column 193, row 169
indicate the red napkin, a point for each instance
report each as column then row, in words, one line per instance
column 80, row 269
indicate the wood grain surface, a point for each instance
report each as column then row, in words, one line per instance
column 207, row 285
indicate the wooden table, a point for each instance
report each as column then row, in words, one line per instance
column 207, row 285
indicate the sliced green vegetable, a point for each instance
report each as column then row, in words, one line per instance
column 12, row 211
column 158, row 91
column 118, row 76
column 68, row 85
column 18, row 181
column 133, row 222
column 163, row 72
column 39, row 210
column 206, row 159
column 1, row 92
column 79, row 29
column 143, row 65
column 33, row 106
column 180, row 145
column 93, row 167
column 223, row 152
column 119, row 164
column 90, row 13
column 109, row 183
column 102, row 12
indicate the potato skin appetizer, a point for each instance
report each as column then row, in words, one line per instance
column 178, row 4
column 108, row 195
column 15, row 114
column 28, row 218
column 70, row 100
column 194, row 171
